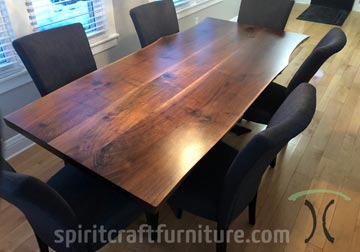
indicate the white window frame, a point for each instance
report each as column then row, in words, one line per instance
column 21, row 24
column 357, row 5
column 19, row 18
column 188, row 7
column 13, row 63
column 41, row 14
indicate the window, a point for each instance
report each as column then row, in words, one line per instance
column 179, row 2
column 9, row 62
column 187, row 7
column 97, row 16
column 47, row 14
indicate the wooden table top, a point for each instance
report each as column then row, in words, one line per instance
column 144, row 121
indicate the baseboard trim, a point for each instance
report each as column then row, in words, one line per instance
column 15, row 145
column 303, row 1
column 234, row 19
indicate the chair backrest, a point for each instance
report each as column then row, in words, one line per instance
column 330, row 44
column 244, row 176
column 43, row 207
column 154, row 20
column 271, row 14
column 56, row 57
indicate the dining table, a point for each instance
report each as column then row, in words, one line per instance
column 145, row 120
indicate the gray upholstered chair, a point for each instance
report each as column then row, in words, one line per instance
column 154, row 20
column 56, row 57
column 273, row 96
column 5, row 165
column 225, row 182
column 72, row 197
column 271, row 14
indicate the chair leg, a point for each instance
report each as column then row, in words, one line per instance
column 42, row 246
column 221, row 245
column 273, row 163
column 252, row 211
column 152, row 220
column 177, row 211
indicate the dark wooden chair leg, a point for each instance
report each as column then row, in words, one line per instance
column 221, row 245
column 252, row 211
column 42, row 246
column 273, row 163
column 177, row 211
column 152, row 220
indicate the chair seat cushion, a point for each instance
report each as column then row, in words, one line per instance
column 266, row 104
column 94, row 200
column 200, row 191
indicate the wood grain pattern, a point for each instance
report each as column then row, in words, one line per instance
column 144, row 121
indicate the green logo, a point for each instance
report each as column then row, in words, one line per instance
column 297, row 195
column 307, row 203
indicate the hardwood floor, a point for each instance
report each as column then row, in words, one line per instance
column 325, row 156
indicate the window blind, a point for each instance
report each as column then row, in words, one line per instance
column 179, row 2
column 9, row 61
column 186, row 3
column 47, row 14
